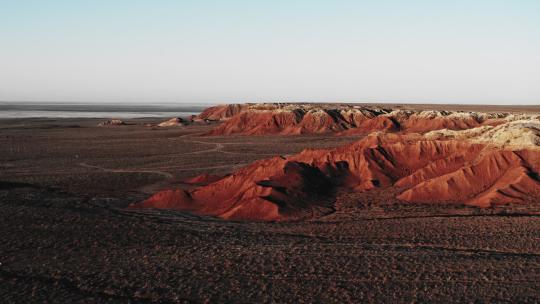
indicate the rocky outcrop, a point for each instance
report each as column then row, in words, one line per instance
column 494, row 177
column 292, row 119
column 221, row 112
column 173, row 122
column 202, row 179
column 515, row 134
column 422, row 169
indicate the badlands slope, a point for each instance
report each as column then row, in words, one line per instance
column 485, row 166
column 290, row 119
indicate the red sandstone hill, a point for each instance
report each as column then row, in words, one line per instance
column 221, row 112
column 290, row 119
column 470, row 170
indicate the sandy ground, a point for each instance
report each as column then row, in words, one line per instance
column 66, row 236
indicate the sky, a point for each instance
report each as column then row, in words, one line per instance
column 475, row 51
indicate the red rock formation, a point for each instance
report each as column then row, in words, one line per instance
column 427, row 171
column 221, row 112
column 496, row 177
column 202, row 179
column 256, row 123
column 300, row 121
column 260, row 119
column 424, row 123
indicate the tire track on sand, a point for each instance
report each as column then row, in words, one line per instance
column 162, row 173
column 219, row 147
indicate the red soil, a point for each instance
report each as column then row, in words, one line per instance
column 426, row 171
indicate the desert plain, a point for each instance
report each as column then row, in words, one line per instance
column 186, row 213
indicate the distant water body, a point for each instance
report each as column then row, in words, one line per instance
column 79, row 110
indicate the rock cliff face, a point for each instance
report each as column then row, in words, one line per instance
column 445, row 167
column 291, row 119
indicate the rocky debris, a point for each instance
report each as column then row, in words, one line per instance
column 517, row 135
column 112, row 122
column 515, row 117
column 514, row 135
column 173, row 122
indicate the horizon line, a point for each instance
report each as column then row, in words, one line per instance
column 103, row 102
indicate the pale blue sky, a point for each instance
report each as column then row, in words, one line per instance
column 235, row 51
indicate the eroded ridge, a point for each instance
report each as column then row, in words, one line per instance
column 291, row 119
column 480, row 167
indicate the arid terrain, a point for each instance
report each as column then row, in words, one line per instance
column 372, row 206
